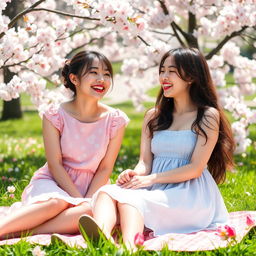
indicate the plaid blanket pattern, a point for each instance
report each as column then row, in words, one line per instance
column 199, row 241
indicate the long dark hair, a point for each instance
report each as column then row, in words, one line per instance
column 192, row 66
column 80, row 65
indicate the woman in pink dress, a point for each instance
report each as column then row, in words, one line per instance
column 82, row 140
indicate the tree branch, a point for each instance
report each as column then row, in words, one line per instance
column 137, row 9
column 44, row 77
column 70, row 35
column 162, row 33
column 190, row 39
column 191, row 27
column 79, row 47
column 65, row 14
column 166, row 12
column 146, row 43
column 165, row 41
column 223, row 42
column 22, row 61
column 177, row 35
column 246, row 39
column 250, row 36
column 19, row 15
column 6, row 61
column 163, row 6
column 179, row 29
column 152, row 66
column 32, row 9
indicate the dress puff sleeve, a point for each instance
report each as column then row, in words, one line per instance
column 54, row 116
column 119, row 119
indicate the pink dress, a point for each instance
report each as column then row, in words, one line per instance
column 83, row 146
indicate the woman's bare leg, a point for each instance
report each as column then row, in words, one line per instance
column 105, row 213
column 31, row 216
column 66, row 222
column 131, row 222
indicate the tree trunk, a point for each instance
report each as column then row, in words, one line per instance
column 192, row 40
column 11, row 109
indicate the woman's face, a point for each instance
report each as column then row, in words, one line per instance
column 96, row 81
column 170, row 80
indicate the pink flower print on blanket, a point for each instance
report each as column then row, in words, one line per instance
column 250, row 221
column 227, row 233
column 139, row 239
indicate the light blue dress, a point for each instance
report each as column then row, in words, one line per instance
column 183, row 207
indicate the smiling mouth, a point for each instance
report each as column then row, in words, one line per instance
column 167, row 86
column 98, row 88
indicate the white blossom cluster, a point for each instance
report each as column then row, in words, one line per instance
column 118, row 15
column 127, row 30
column 3, row 19
column 231, row 16
column 232, row 98
column 157, row 18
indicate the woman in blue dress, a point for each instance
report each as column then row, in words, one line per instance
column 186, row 148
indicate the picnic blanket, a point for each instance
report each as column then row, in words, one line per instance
column 241, row 222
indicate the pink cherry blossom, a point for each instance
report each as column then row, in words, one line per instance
column 226, row 232
column 139, row 239
column 249, row 220
column 11, row 195
column 231, row 232
column 4, row 178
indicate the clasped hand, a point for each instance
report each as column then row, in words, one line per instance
column 130, row 179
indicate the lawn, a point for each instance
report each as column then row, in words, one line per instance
column 21, row 153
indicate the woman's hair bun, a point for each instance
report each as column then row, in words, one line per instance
column 65, row 74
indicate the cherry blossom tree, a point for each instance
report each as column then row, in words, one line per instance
column 11, row 108
column 138, row 32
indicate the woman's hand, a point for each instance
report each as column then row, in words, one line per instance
column 125, row 176
column 139, row 182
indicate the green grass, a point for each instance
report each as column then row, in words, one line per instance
column 117, row 67
column 21, row 153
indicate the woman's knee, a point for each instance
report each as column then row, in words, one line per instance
column 127, row 207
column 103, row 195
column 56, row 204
column 84, row 208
